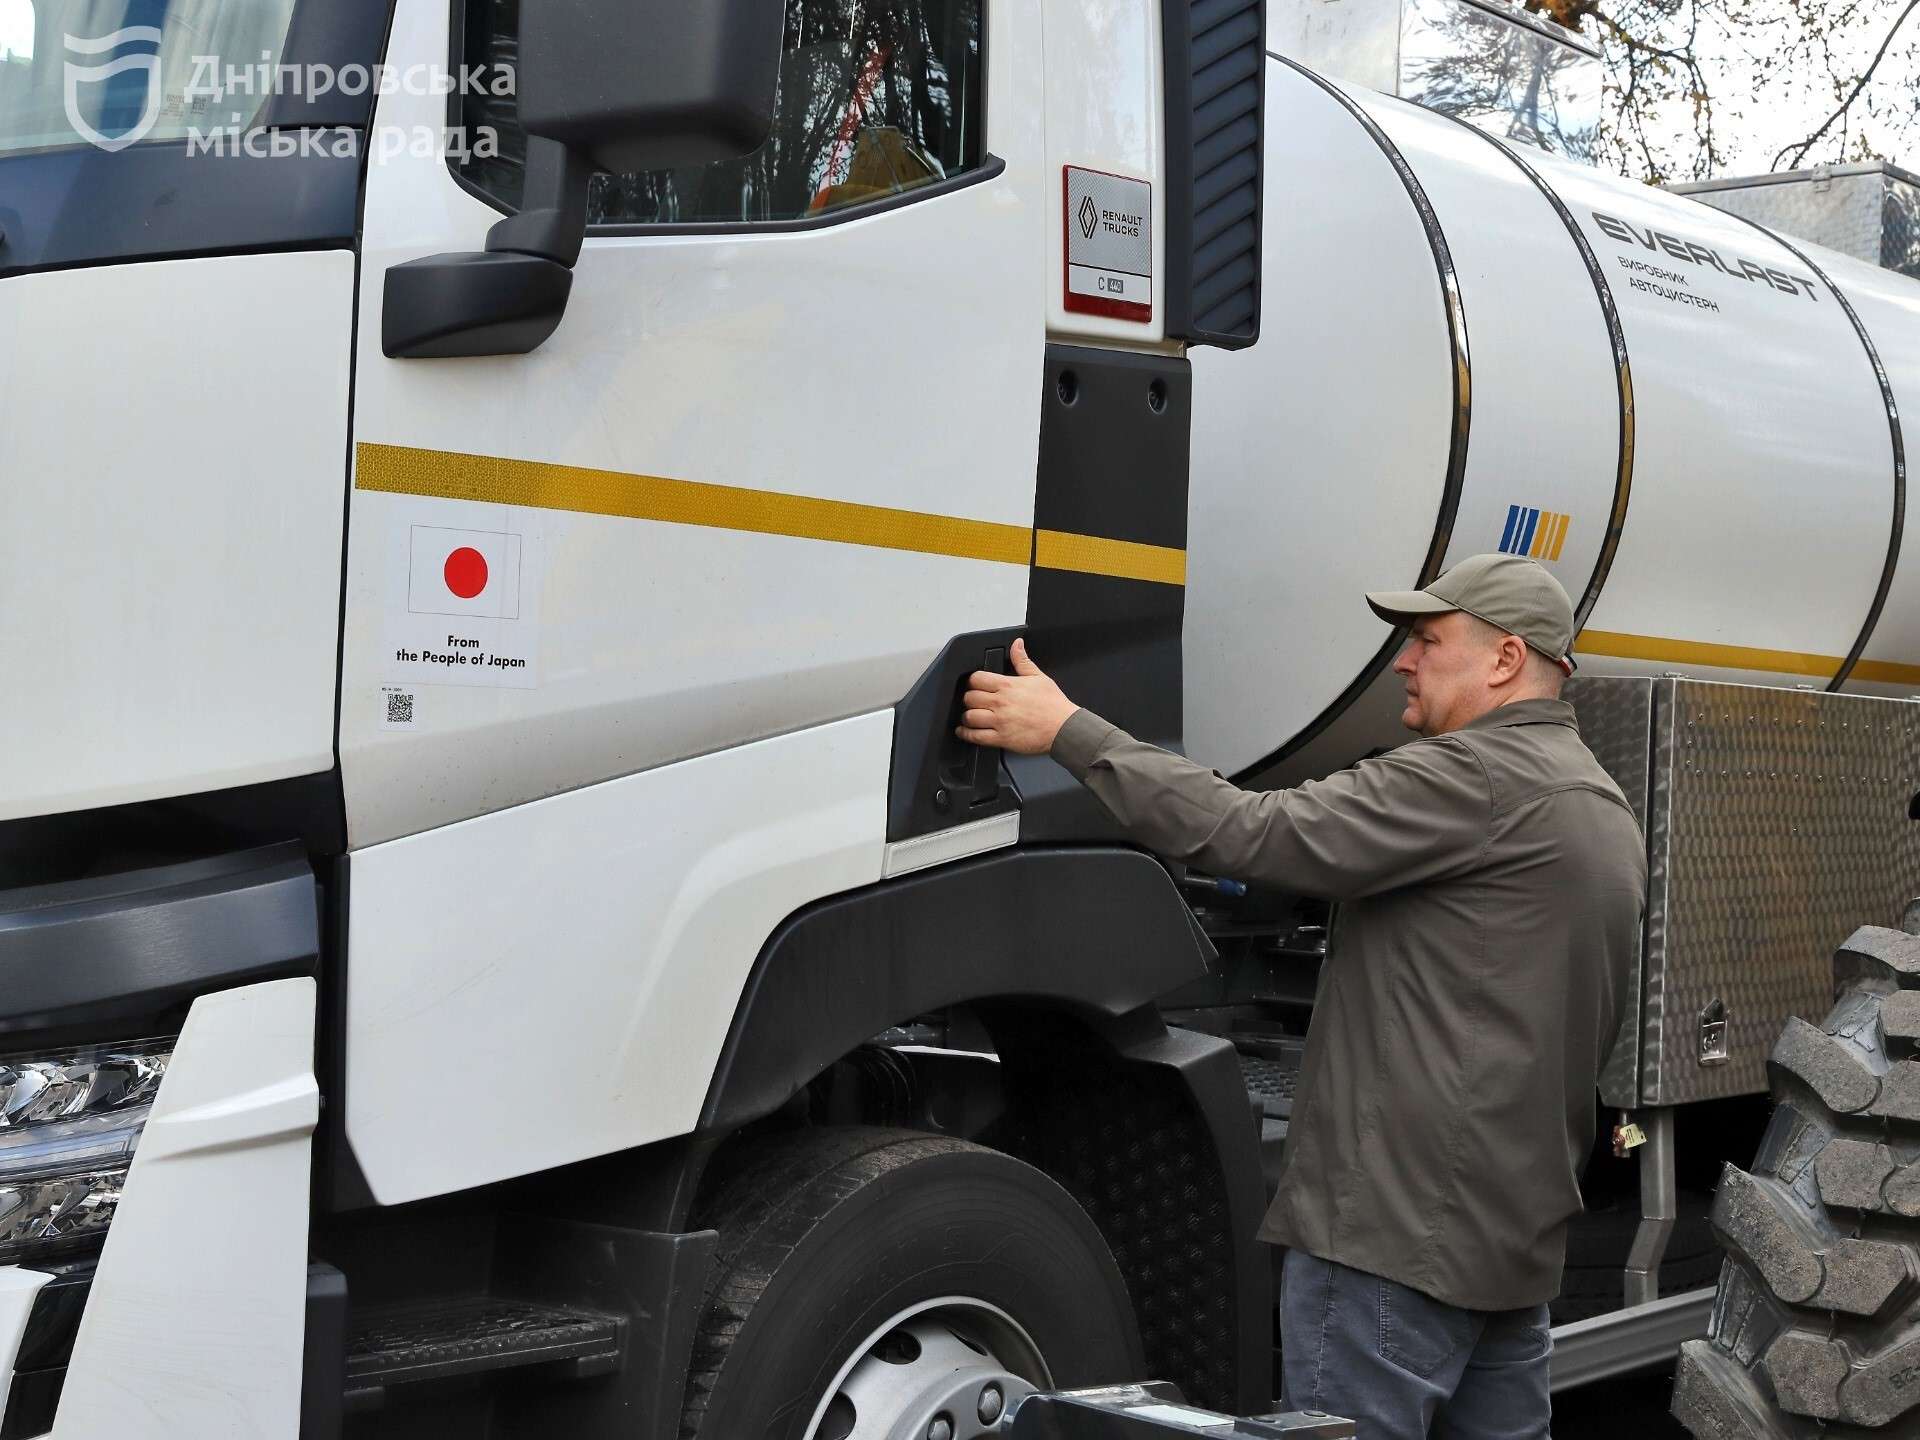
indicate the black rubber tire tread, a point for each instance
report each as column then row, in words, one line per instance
column 1816, row 1324
column 786, row 1206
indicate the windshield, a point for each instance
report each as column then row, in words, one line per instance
column 114, row 73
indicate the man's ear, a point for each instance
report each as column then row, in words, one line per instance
column 1510, row 659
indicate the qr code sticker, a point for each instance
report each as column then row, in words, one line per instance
column 399, row 707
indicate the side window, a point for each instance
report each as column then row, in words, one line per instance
column 876, row 97
column 16, row 31
column 16, row 68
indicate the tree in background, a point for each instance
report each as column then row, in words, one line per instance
column 1699, row 88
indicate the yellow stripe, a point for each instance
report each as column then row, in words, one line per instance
column 1886, row 672
column 447, row 475
column 1123, row 559
column 398, row 470
column 1737, row 657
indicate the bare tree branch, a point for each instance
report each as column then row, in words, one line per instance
column 1800, row 150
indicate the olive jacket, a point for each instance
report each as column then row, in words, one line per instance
column 1491, row 884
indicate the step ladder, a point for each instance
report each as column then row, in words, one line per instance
column 415, row 1342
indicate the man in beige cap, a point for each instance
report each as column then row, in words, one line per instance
column 1491, row 880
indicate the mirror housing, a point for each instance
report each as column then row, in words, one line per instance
column 479, row 302
column 615, row 85
column 650, row 84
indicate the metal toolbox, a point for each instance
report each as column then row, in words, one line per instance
column 1777, row 822
column 1871, row 212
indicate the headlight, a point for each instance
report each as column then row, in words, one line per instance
column 69, row 1121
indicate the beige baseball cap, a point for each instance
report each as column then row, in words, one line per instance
column 1509, row 592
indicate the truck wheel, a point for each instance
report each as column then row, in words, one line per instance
column 872, row 1283
column 1816, row 1327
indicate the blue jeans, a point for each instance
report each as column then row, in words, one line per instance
column 1403, row 1364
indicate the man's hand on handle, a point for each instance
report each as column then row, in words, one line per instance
column 1021, row 712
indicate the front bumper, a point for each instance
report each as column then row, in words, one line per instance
column 190, row 1318
column 193, row 1320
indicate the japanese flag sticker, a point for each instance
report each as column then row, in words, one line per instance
column 463, row 572
column 463, row 610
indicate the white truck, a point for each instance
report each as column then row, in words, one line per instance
column 497, row 936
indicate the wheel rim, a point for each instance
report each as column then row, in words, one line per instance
column 944, row 1369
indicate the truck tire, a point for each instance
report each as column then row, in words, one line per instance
column 1816, row 1326
column 898, row 1272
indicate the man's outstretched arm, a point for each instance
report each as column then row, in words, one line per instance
column 1413, row 815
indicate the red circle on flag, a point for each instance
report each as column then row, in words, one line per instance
column 466, row 572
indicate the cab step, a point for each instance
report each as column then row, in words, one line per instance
column 414, row 1342
column 1270, row 1068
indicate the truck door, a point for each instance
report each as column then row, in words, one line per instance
column 780, row 450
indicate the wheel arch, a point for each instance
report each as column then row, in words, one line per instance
column 1062, row 951
column 1096, row 931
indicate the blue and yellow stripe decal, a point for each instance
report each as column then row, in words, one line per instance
column 1536, row 533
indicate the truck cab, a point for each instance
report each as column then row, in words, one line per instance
column 497, row 511
column 494, row 613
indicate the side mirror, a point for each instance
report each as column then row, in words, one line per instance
column 616, row 85
column 648, row 84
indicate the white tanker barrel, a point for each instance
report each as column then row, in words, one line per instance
column 1473, row 347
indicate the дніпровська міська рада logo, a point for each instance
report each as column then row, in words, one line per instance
column 113, row 102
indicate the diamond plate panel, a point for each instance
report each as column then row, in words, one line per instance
column 1549, row 87
column 1616, row 721
column 1900, row 233
column 1779, row 823
column 1776, row 823
column 1841, row 213
column 1869, row 212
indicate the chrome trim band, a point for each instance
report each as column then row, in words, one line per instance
column 1899, row 454
column 1462, row 411
column 1623, row 375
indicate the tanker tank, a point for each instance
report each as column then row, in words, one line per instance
column 1472, row 345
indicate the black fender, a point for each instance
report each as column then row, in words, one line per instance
column 1101, row 1106
column 1063, row 952
column 1100, row 931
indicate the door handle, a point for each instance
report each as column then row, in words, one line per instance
column 938, row 780
column 972, row 775
column 986, row 761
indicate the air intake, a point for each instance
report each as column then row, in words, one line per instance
column 1215, row 99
